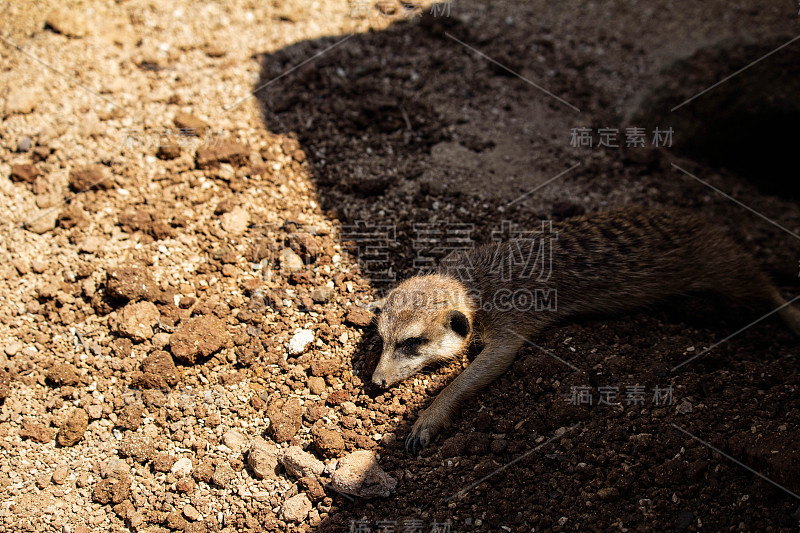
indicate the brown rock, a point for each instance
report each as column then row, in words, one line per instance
column 223, row 475
column 131, row 284
column 168, row 150
column 358, row 317
column 282, row 427
column 137, row 447
column 122, row 347
column 608, row 493
column 185, row 485
column 299, row 463
column 37, row 432
column 136, row 320
column 163, row 462
column 59, row 476
column 43, row 220
column 200, row 336
column 90, row 177
column 285, row 419
column 130, row 417
column 327, row 441
column 73, row 428
column 312, row 487
column 69, row 22
column 112, row 490
column 295, row 509
column 338, row 397
column 204, row 471
column 316, row 385
column 191, row 513
column 236, row 221
column 322, row 295
column 158, row 372
column 305, row 245
column 133, row 219
column 326, row 367
column 176, row 522
column 123, row 509
column 190, row 124
column 71, row 216
column 41, row 153
column 63, row 375
column 25, row 173
column 233, row 153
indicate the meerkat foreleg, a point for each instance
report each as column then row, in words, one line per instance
column 495, row 358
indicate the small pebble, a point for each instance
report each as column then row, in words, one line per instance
column 191, row 513
column 25, row 144
column 60, row 475
column 182, row 467
column 300, row 341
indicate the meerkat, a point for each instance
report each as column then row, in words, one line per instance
column 611, row 262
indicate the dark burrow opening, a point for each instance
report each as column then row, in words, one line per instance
column 735, row 112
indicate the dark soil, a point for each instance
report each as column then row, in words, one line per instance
column 407, row 126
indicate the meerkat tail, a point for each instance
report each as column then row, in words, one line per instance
column 789, row 313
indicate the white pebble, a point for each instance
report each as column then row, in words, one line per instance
column 182, row 467
column 300, row 341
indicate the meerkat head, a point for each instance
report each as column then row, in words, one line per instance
column 426, row 319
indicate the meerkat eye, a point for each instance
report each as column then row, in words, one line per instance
column 411, row 345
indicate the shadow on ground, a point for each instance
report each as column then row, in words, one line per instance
column 409, row 126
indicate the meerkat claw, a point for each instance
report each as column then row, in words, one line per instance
column 417, row 440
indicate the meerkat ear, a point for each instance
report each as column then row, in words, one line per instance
column 458, row 322
column 377, row 306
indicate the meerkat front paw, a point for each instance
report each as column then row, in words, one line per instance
column 425, row 429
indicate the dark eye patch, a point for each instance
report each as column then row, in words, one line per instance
column 411, row 345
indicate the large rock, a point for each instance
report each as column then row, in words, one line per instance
column 290, row 261
column 69, row 22
column 136, row 320
column 236, row 221
column 73, row 428
column 112, row 490
column 223, row 475
column 24, row 172
column 158, row 372
column 127, row 283
column 296, row 508
column 285, row 419
column 199, row 337
column 63, row 375
column 300, row 463
column 359, row 474
column 43, row 221
column 235, row 154
column 182, row 467
column 190, row 124
column 263, row 459
column 328, row 441
column 90, row 177
column 234, row 440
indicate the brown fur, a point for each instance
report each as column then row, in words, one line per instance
column 606, row 263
